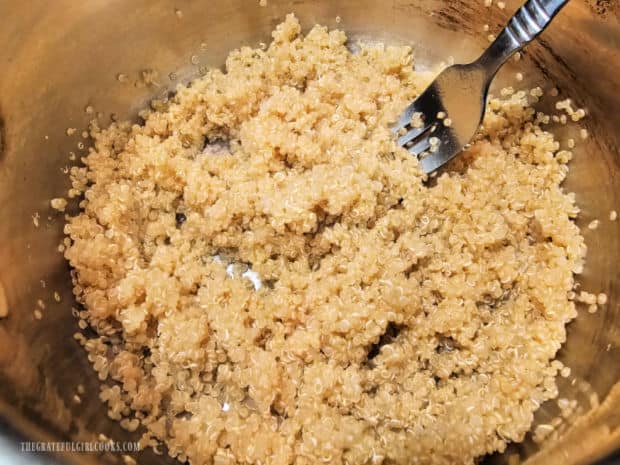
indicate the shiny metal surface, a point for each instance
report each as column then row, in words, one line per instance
column 460, row 91
column 58, row 58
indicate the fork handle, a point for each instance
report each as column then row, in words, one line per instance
column 529, row 21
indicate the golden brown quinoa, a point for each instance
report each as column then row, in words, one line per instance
column 398, row 321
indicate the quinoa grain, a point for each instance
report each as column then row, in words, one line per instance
column 385, row 325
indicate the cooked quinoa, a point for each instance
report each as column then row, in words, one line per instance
column 397, row 320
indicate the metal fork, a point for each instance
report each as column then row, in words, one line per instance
column 445, row 117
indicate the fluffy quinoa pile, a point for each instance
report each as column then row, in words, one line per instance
column 397, row 320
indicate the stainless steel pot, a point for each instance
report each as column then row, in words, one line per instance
column 60, row 57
